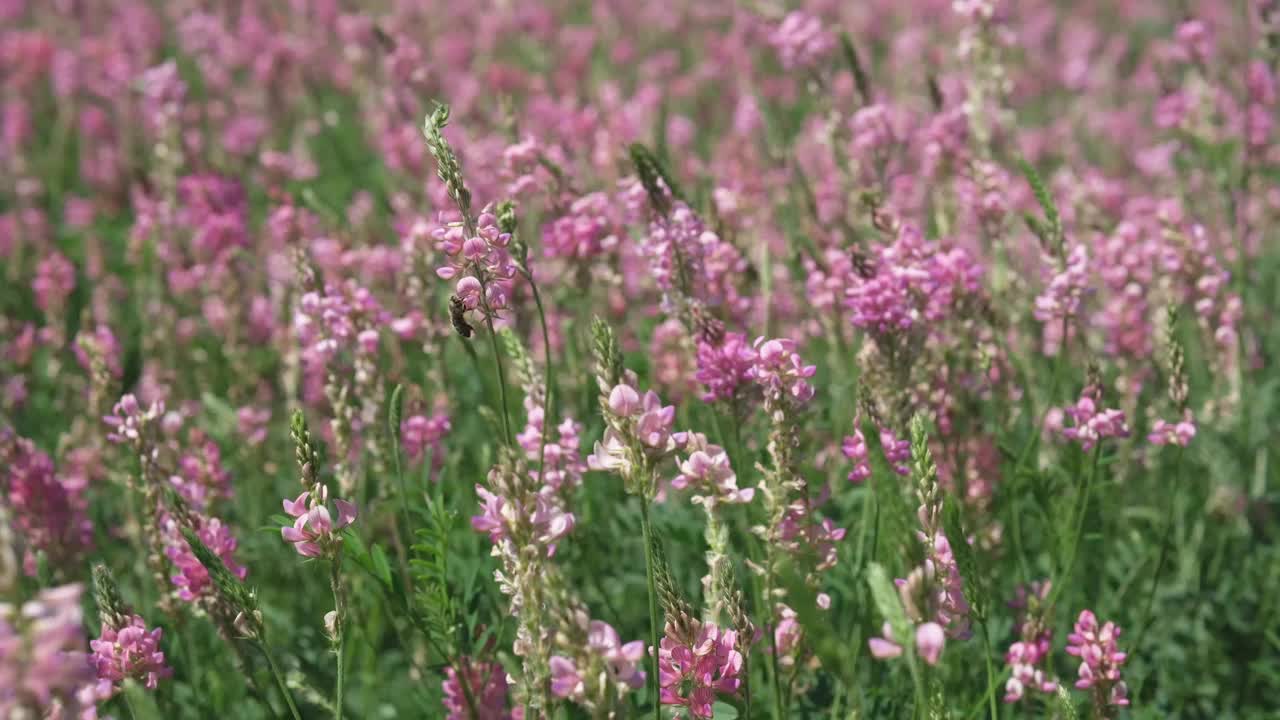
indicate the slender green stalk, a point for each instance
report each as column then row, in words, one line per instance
column 339, row 632
column 746, row 679
column 991, row 672
column 647, row 532
column 1164, row 554
column 275, row 672
column 502, row 379
column 546, row 369
column 1069, row 566
column 775, row 678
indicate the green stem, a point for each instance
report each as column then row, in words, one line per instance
column 546, row 369
column 647, row 532
column 1069, row 566
column 1164, row 553
column 502, row 378
column 991, row 673
column 275, row 672
column 339, row 632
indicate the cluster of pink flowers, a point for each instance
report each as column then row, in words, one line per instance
column 135, row 427
column 487, row 682
column 1026, row 656
column 54, row 281
column 930, row 639
column 482, row 264
column 128, row 652
column 854, row 448
column 692, row 670
column 50, row 512
column 1090, row 422
column 1180, row 432
column 646, row 420
column 587, row 230
column 343, row 317
column 201, row 477
column 780, row 372
column 515, row 520
column 44, row 671
column 685, row 256
column 915, row 281
column 621, row 662
column 801, row 41
column 724, row 367
column 422, row 434
column 708, row 472
column 314, row 533
column 562, row 464
column 1060, row 299
column 1100, row 660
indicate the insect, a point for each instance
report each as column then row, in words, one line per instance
column 458, row 318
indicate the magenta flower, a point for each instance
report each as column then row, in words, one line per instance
column 1181, row 432
column 488, row 685
column 801, row 41
column 691, row 673
column 930, row 640
column 707, row 471
column 621, row 663
column 1092, row 423
column 44, row 671
column 1026, row 657
column 1100, row 660
column 725, row 367
column 780, row 371
column 130, row 652
column 482, row 264
column 314, row 533
column 855, row 449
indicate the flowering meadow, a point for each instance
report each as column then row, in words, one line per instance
column 570, row 359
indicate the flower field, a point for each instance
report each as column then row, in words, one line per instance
column 642, row 360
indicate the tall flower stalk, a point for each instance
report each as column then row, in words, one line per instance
column 637, row 438
column 315, row 534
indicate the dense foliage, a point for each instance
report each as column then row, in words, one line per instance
column 492, row 360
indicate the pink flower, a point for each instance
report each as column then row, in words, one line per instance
column 1100, row 660
column 314, row 533
column 130, row 652
column 801, row 41
column 621, row 661
column 725, row 367
column 1170, row 433
column 930, row 640
column 488, row 685
column 691, row 673
column 1092, row 424
column 855, row 449
column 781, row 372
column 707, row 471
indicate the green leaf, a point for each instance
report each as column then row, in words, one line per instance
column 142, row 706
column 382, row 569
column 885, row 595
column 723, row 711
column 1041, row 191
column 974, row 589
